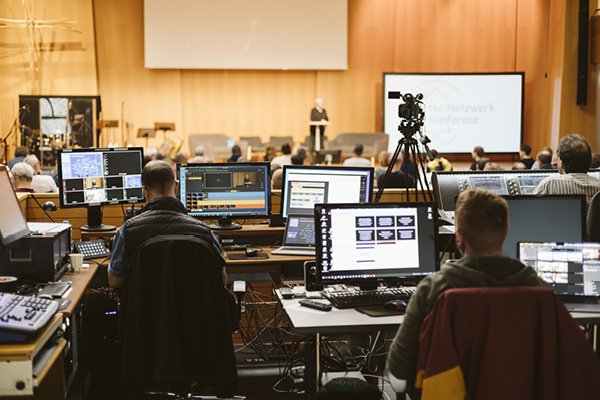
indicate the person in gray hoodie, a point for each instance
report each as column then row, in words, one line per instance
column 481, row 225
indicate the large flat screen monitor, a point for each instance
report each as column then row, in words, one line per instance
column 93, row 178
column 544, row 219
column 572, row 269
column 225, row 191
column 13, row 225
column 359, row 242
column 305, row 186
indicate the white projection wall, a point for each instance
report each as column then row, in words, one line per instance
column 462, row 110
column 246, row 34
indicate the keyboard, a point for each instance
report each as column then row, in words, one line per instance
column 353, row 298
column 92, row 249
column 25, row 313
column 294, row 251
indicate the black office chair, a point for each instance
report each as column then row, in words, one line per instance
column 593, row 219
column 178, row 322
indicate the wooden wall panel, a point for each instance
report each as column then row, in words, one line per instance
column 67, row 64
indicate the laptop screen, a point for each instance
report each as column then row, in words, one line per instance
column 570, row 268
column 300, row 231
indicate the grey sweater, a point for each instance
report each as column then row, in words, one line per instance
column 463, row 273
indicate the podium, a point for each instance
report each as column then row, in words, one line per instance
column 317, row 125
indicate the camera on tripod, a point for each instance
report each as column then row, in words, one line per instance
column 411, row 112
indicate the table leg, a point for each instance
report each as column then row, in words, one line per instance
column 312, row 366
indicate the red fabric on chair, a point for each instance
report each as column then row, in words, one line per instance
column 504, row 343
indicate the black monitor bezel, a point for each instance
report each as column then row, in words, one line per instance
column 265, row 165
column 95, row 150
column 396, row 278
column 317, row 168
column 5, row 240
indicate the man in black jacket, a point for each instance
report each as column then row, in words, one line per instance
column 163, row 214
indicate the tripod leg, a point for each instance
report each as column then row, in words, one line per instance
column 388, row 171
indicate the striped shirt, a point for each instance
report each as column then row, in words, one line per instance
column 574, row 183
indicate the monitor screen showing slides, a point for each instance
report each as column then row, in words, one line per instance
column 303, row 187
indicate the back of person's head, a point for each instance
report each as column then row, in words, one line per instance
column 277, row 179
column 297, row 160
column 491, row 166
column 301, row 152
column 575, row 153
column 548, row 149
column 544, row 157
column 199, row 151
column 32, row 161
column 434, row 154
column 21, row 151
column 595, row 161
column 235, row 149
column 358, row 149
column 478, row 150
column 481, row 163
column 482, row 218
column 518, row 166
column 180, row 158
column 22, row 172
column 286, row 148
column 384, row 158
column 158, row 178
column 526, row 149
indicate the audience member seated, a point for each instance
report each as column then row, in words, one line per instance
column 481, row 225
column 543, row 160
column 200, row 156
column 481, row 163
column 525, row 155
column 236, row 153
column 152, row 153
column 492, row 166
column 299, row 157
column 40, row 183
column 398, row 178
column 519, row 166
column 20, row 153
column 477, row 154
column 408, row 166
column 384, row 160
column 285, row 158
column 22, row 175
column 277, row 179
column 357, row 160
column 438, row 163
column 574, row 159
column 180, row 158
column 595, row 161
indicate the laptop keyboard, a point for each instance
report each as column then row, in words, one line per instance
column 294, row 250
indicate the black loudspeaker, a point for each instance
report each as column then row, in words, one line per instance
column 312, row 277
column 582, row 52
column 276, row 220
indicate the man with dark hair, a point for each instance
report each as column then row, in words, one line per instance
column 357, row 160
column 20, row 153
column 477, row 154
column 543, row 160
column 481, row 225
column 163, row 214
column 525, row 156
column 574, row 159
column 285, row 158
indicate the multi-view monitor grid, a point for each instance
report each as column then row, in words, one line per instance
column 100, row 176
column 225, row 190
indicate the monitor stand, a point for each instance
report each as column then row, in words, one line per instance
column 225, row 224
column 94, row 221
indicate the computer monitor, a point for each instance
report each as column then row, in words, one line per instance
column 13, row 225
column 225, row 191
column 93, row 178
column 305, row 186
column 543, row 219
column 572, row 269
column 365, row 243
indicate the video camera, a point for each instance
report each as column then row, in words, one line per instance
column 411, row 112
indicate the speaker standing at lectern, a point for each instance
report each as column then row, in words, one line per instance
column 317, row 114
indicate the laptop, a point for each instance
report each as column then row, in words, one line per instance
column 299, row 238
column 571, row 269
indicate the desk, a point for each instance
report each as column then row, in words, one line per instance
column 272, row 265
column 314, row 323
column 47, row 366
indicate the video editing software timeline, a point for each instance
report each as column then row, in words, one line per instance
column 570, row 268
column 222, row 190
column 382, row 240
column 303, row 187
column 100, row 176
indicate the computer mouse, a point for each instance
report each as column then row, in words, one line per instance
column 396, row 305
column 250, row 252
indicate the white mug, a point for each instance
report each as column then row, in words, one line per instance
column 76, row 262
